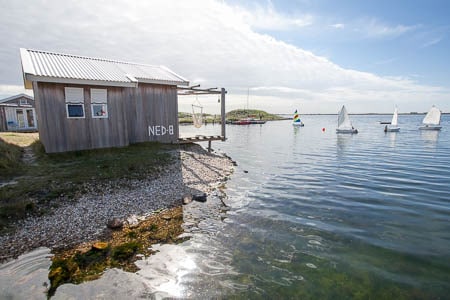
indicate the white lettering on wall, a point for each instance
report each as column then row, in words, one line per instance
column 159, row 130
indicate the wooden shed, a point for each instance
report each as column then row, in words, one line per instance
column 87, row 103
column 17, row 113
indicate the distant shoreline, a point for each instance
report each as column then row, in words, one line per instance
column 363, row 114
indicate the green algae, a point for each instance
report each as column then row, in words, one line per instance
column 125, row 251
column 88, row 261
column 368, row 272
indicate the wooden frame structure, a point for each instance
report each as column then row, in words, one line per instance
column 196, row 90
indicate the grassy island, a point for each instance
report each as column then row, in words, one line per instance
column 238, row 114
column 234, row 115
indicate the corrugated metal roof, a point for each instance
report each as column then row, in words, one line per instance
column 16, row 97
column 65, row 68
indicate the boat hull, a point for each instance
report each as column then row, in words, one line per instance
column 348, row 131
column 257, row 122
column 430, row 127
column 298, row 124
column 393, row 129
column 247, row 122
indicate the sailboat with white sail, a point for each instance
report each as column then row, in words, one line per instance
column 296, row 120
column 393, row 127
column 432, row 120
column 344, row 123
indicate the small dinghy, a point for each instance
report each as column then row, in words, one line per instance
column 393, row 127
column 296, row 121
column 432, row 120
column 344, row 123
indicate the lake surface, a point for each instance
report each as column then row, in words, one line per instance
column 309, row 215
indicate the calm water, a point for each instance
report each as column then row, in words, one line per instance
column 311, row 215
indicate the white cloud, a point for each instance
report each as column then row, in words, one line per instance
column 432, row 42
column 268, row 18
column 7, row 90
column 208, row 42
column 375, row 29
column 338, row 26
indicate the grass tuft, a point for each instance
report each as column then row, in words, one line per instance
column 10, row 160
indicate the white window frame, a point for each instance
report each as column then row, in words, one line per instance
column 75, row 117
column 23, row 101
column 99, row 97
column 74, row 96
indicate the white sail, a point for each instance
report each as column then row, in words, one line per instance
column 433, row 117
column 394, row 121
column 343, row 119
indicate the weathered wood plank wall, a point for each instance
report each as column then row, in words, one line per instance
column 3, row 125
column 153, row 113
column 146, row 113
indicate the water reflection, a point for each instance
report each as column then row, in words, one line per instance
column 342, row 141
column 27, row 276
column 430, row 137
column 392, row 137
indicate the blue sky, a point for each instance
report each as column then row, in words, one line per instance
column 309, row 55
column 388, row 38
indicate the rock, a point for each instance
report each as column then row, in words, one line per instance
column 115, row 223
column 200, row 198
column 245, row 171
column 133, row 221
column 187, row 199
column 166, row 217
column 100, row 246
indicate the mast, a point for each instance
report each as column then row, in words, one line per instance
column 248, row 96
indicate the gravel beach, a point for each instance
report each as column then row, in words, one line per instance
column 84, row 219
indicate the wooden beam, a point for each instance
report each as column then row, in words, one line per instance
column 222, row 111
column 195, row 90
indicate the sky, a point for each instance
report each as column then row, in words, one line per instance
column 278, row 56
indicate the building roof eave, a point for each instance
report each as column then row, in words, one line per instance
column 22, row 95
column 164, row 82
column 47, row 66
column 30, row 78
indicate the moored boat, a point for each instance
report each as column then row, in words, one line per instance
column 247, row 121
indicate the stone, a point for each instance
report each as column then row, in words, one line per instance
column 166, row 217
column 200, row 198
column 100, row 246
column 133, row 221
column 115, row 223
column 187, row 199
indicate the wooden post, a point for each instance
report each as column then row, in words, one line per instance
column 222, row 112
column 209, row 146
